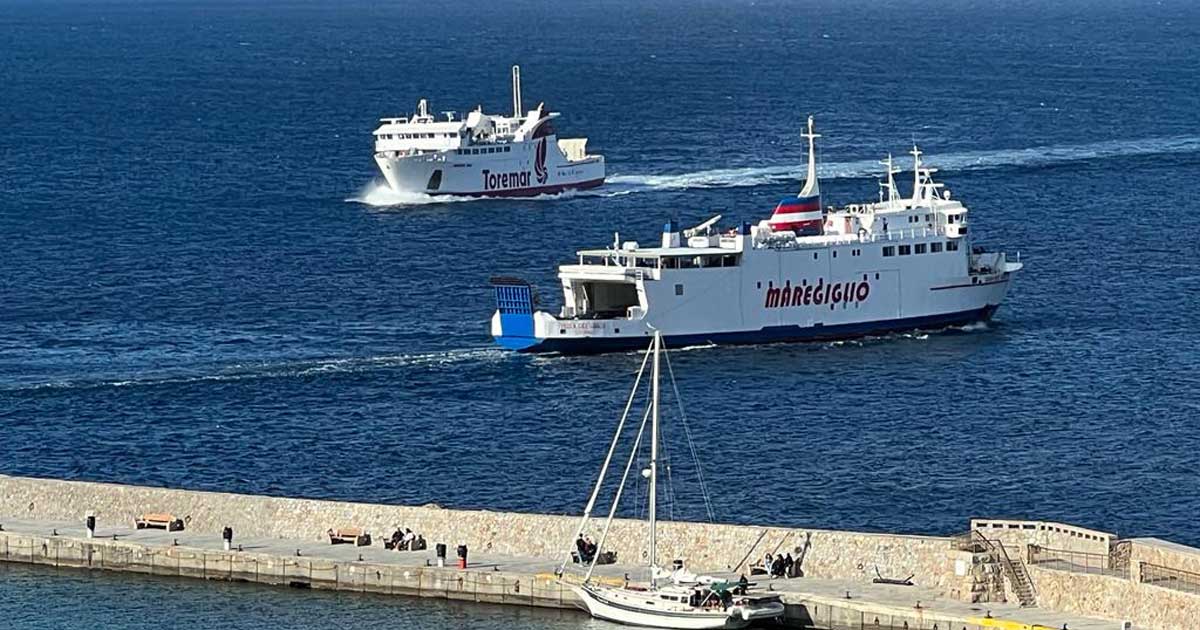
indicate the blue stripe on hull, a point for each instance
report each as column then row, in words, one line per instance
column 775, row 334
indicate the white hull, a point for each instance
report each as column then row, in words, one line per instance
column 630, row 608
column 519, row 169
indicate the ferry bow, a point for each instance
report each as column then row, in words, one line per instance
column 807, row 273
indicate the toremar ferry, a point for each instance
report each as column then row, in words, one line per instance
column 484, row 155
column 807, row 273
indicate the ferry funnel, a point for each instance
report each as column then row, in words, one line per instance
column 516, row 91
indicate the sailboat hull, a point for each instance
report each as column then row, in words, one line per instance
column 639, row 609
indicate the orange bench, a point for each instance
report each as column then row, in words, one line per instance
column 159, row 521
column 349, row 536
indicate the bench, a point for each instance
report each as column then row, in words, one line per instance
column 349, row 536
column 605, row 557
column 159, row 521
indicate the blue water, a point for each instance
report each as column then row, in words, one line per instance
column 202, row 286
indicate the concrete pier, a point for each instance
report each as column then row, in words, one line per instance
column 958, row 583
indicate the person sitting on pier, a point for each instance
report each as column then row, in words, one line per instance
column 419, row 543
column 764, row 568
column 777, row 567
column 394, row 542
column 407, row 541
column 788, row 565
column 586, row 549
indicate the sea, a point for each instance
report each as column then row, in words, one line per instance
column 204, row 284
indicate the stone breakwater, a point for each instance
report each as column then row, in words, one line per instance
column 1061, row 569
column 827, row 554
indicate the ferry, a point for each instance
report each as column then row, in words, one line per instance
column 484, row 155
column 806, row 273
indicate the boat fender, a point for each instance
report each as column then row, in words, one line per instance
column 745, row 614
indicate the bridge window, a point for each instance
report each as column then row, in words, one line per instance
column 679, row 289
column 890, row 250
column 920, row 248
column 951, row 246
column 935, row 247
column 905, row 250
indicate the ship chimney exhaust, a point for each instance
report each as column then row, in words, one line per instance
column 516, row 89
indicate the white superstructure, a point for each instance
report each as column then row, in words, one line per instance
column 898, row 263
column 484, row 154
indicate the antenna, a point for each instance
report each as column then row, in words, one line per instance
column 422, row 108
column 516, row 91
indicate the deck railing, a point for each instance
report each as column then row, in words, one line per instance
column 1076, row 561
column 1167, row 577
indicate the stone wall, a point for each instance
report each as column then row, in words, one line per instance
column 1020, row 534
column 827, row 554
column 1163, row 554
column 1147, row 607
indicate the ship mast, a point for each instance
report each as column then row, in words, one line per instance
column 916, row 153
column 654, row 457
column 891, row 182
column 811, row 186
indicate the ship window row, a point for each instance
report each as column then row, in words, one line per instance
column 481, row 150
column 700, row 262
column 919, row 248
column 415, row 136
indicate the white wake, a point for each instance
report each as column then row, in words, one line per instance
column 379, row 194
column 954, row 161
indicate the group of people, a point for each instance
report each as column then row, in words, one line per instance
column 586, row 549
column 405, row 540
column 778, row 566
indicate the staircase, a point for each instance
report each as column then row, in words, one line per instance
column 1018, row 578
column 997, row 565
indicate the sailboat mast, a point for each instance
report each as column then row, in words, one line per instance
column 654, row 457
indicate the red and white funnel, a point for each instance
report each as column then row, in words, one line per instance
column 802, row 214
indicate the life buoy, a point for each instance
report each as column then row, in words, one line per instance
column 862, row 233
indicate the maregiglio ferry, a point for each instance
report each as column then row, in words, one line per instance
column 484, row 154
column 806, row 273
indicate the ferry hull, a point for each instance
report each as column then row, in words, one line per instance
column 523, row 171
column 774, row 334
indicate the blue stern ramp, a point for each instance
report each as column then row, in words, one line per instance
column 512, row 323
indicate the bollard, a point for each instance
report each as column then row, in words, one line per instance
column 90, row 524
column 227, row 536
column 441, row 554
column 462, row 556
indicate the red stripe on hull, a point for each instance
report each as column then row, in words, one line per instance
column 528, row 192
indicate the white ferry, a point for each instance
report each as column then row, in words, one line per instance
column 483, row 154
column 805, row 274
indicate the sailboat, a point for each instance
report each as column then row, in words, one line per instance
column 668, row 600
